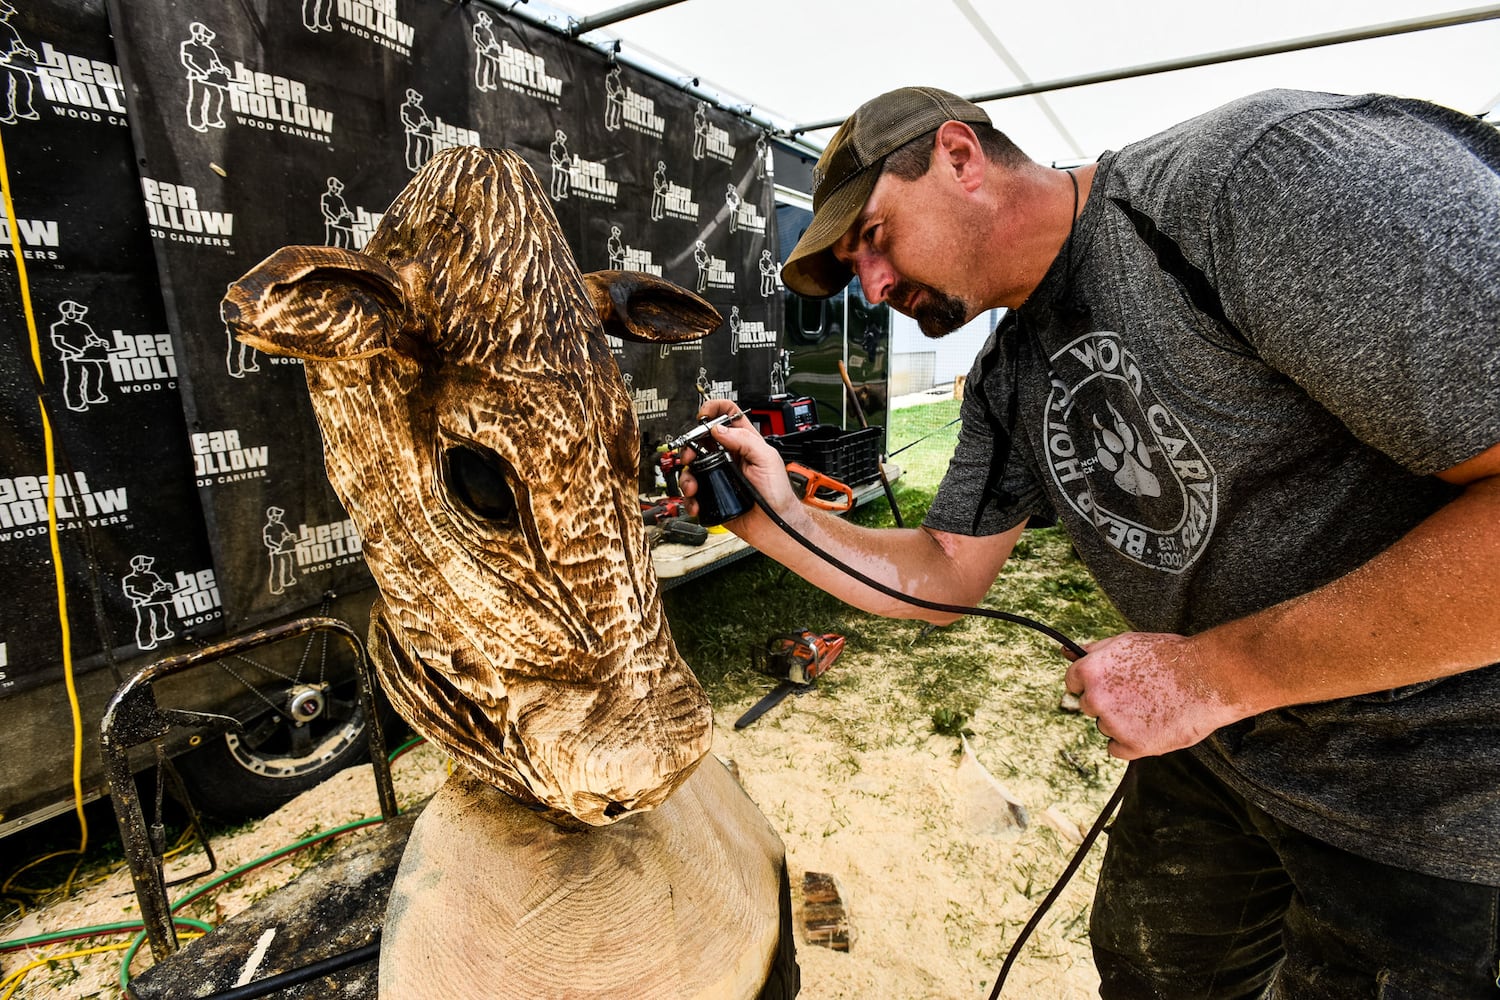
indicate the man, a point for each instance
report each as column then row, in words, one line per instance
column 338, row 221
column 207, row 78
column 419, row 131
column 487, row 53
column 84, row 354
column 150, row 595
column 1251, row 366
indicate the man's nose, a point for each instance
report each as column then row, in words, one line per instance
column 876, row 278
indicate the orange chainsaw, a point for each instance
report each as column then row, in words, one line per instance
column 797, row 659
column 814, row 488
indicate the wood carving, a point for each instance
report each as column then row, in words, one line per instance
column 479, row 434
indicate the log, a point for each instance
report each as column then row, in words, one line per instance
column 688, row 901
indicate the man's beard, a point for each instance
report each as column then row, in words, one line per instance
column 937, row 315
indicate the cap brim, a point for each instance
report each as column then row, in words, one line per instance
column 811, row 269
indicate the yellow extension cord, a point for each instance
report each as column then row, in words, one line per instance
column 65, row 632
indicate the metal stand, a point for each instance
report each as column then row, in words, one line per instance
column 133, row 717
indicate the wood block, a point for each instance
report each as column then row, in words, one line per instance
column 825, row 919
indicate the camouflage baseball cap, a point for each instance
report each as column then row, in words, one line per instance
column 848, row 169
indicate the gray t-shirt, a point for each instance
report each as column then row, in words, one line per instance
column 1271, row 325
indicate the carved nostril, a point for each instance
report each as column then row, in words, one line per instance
column 614, row 809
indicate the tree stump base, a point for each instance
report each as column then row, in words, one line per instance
column 689, row 901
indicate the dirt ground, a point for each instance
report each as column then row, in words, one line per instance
column 859, row 788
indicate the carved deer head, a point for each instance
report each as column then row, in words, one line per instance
column 478, row 432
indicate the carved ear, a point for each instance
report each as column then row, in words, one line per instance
column 318, row 303
column 638, row 306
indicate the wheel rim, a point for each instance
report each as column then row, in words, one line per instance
column 314, row 729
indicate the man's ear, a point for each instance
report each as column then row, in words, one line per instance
column 956, row 150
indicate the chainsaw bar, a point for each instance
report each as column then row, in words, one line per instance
column 769, row 702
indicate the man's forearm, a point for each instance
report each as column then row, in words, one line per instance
column 913, row 561
column 1425, row 608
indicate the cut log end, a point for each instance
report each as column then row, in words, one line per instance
column 683, row 902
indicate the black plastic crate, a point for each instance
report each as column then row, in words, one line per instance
column 851, row 457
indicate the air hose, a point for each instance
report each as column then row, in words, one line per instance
column 956, row 609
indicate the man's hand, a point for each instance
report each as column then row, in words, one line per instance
column 1151, row 693
column 758, row 461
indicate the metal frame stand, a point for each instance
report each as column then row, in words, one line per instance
column 133, row 717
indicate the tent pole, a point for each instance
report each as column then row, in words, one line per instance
column 620, row 13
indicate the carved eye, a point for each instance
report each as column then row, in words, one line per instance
column 479, row 479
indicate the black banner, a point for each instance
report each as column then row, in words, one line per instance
column 261, row 124
column 131, row 537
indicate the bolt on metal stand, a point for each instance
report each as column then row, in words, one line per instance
column 133, row 717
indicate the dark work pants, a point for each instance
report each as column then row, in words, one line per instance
column 1204, row 895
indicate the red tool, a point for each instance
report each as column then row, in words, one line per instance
column 819, row 490
column 662, row 508
column 799, row 658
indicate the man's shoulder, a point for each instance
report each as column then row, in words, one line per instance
column 1223, row 133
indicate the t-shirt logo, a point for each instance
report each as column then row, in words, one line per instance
column 1122, row 459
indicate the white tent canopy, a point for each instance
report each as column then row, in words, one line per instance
column 795, row 62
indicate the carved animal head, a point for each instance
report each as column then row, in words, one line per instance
column 478, row 432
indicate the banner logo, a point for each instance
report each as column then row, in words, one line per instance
column 322, row 546
column 23, row 504
column 713, row 272
column 343, row 226
column 266, row 101
column 143, row 362
column 195, row 597
column 136, row 363
column 82, row 88
column 770, row 274
column 649, row 404
column 671, row 199
column 623, row 257
column 173, row 214
column 573, row 175
column 219, row 458
column 373, row 20
column 525, row 73
column 748, row 334
column 426, row 136
column 623, row 107
column 743, row 214
column 708, row 139
column 709, row 389
column 38, row 238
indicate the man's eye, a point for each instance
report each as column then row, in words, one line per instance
column 870, row 235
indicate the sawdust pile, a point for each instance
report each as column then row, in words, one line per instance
column 936, row 892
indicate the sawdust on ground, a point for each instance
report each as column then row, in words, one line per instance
column 856, row 786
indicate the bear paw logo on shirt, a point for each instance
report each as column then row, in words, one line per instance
column 1122, row 451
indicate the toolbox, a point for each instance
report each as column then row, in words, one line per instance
column 851, row 457
column 782, row 414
